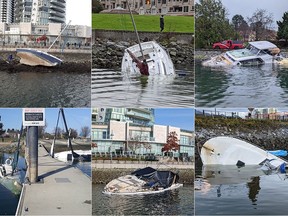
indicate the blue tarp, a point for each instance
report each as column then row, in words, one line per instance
column 282, row 153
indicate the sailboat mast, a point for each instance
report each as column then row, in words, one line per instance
column 135, row 29
column 58, row 36
column 16, row 157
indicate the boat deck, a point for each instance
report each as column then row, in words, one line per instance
column 63, row 190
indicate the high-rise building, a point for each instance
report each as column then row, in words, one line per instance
column 40, row 11
column 6, row 11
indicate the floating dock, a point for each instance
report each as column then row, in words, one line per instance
column 62, row 190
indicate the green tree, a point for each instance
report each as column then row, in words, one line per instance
column 96, row 6
column 283, row 28
column 240, row 26
column 260, row 22
column 211, row 23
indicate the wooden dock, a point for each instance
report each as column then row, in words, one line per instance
column 62, row 190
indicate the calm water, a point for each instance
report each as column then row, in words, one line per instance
column 29, row 89
column 264, row 86
column 228, row 190
column 8, row 200
column 177, row 202
column 115, row 89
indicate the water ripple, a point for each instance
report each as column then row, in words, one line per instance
column 115, row 89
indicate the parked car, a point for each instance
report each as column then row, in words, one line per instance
column 228, row 44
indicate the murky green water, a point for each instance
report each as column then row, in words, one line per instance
column 36, row 89
column 262, row 86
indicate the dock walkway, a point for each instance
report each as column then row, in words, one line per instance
column 62, row 190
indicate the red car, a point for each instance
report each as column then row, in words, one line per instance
column 228, row 44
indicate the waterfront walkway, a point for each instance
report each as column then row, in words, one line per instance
column 62, row 190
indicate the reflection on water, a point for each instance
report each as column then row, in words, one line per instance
column 35, row 89
column 114, row 89
column 265, row 85
column 240, row 191
column 176, row 202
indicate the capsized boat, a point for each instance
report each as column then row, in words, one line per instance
column 143, row 181
column 256, row 53
column 34, row 57
column 224, row 150
column 159, row 62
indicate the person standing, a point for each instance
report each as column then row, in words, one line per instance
column 161, row 23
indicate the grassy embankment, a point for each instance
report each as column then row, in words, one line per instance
column 183, row 24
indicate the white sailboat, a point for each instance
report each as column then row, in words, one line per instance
column 70, row 155
column 158, row 60
column 33, row 57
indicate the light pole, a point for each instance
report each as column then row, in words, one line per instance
column 111, row 136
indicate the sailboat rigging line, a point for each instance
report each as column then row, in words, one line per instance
column 59, row 35
column 135, row 29
column 54, row 139
column 16, row 156
column 67, row 131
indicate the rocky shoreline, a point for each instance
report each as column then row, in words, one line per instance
column 108, row 54
column 103, row 176
column 72, row 63
column 266, row 134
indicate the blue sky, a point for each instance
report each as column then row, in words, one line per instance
column 178, row 117
column 76, row 118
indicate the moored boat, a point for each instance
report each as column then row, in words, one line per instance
column 143, row 181
column 34, row 57
column 256, row 53
column 81, row 155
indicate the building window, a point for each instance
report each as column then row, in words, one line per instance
column 186, row 8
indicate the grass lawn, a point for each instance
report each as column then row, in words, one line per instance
column 143, row 22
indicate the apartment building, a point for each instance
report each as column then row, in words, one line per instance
column 40, row 11
column 6, row 11
column 120, row 135
column 169, row 7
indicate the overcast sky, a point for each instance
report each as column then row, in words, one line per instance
column 247, row 7
column 79, row 12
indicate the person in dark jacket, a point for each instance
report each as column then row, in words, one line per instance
column 143, row 66
column 161, row 23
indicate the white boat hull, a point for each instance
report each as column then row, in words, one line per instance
column 129, row 188
column 67, row 155
column 228, row 151
column 159, row 62
column 33, row 57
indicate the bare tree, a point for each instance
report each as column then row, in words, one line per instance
column 85, row 131
column 260, row 22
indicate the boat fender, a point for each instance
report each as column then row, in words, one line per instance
column 8, row 161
